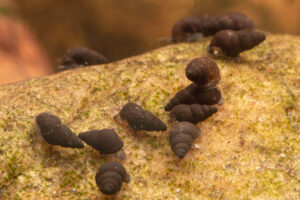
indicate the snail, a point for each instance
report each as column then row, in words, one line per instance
column 80, row 57
column 186, row 27
column 110, row 176
column 56, row 133
column 181, row 137
column 203, row 71
column 140, row 119
column 106, row 141
column 193, row 113
column 194, row 94
column 232, row 43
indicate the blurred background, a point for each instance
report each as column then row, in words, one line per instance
column 35, row 34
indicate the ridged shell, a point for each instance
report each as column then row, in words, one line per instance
column 56, row 133
column 194, row 94
column 192, row 113
column 203, row 71
column 110, row 176
column 80, row 57
column 106, row 141
column 140, row 119
column 181, row 137
column 233, row 43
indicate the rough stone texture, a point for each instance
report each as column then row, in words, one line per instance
column 249, row 149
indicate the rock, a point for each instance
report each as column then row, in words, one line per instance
column 259, row 118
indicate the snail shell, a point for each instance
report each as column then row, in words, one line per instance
column 232, row 43
column 80, row 57
column 110, row 176
column 181, row 137
column 194, row 94
column 186, row 27
column 140, row 119
column 192, row 113
column 56, row 133
column 106, row 141
column 203, row 71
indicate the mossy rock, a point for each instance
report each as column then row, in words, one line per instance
column 249, row 149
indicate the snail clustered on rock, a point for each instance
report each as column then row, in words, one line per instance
column 110, row 176
column 193, row 113
column 106, row 141
column 232, row 43
column 140, row 119
column 56, row 133
column 181, row 137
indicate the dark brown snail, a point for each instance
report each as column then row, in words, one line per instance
column 56, row 133
column 181, row 137
column 194, row 94
column 232, row 43
column 192, row 113
column 106, row 141
column 203, row 71
column 140, row 119
column 110, row 176
column 186, row 27
column 80, row 57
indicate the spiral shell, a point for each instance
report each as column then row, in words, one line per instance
column 140, row 119
column 203, row 71
column 232, row 43
column 110, row 176
column 106, row 141
column 192, row 113
column 188, row 26
column 80, row 57
column 56, row 133
column 194, row 94
column 181, row 137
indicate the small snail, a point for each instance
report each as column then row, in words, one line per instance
column 106, row 141
column 186, row 27
column 56, row 133
column 80, row 57
column 232, row 43
column 194, row 94
column 110, row 176
column 140, row 119
column 181, row 137
column 203, row 71
column 192, row 113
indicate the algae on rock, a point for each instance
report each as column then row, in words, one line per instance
column 249, row 149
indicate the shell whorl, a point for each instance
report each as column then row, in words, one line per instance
column 181, row 137
column 106, row 141
column 56, row 133
column 203, row 71
column 110, row 176
column 193, row 113
column 140, row 119
column 234, row 42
